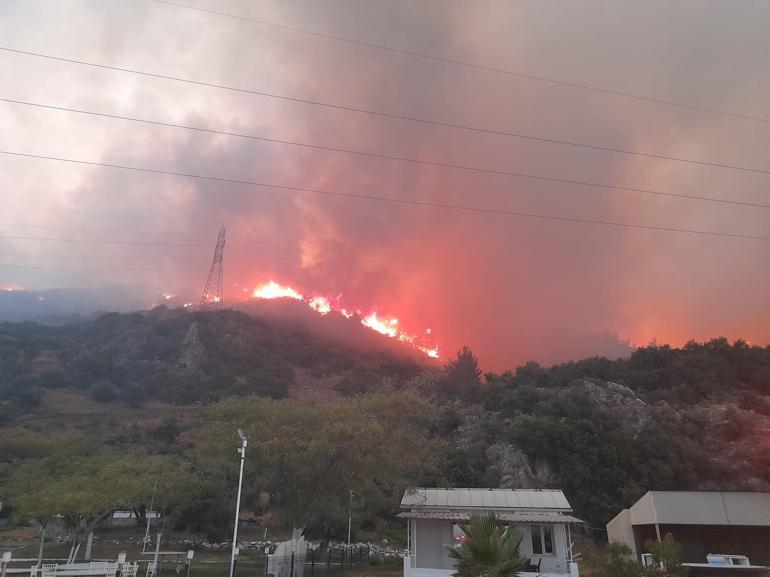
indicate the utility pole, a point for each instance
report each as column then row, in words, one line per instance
column 350, row 516
column 146, row 539
column 242, row 451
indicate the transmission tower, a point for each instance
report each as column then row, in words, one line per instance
column 213, row 291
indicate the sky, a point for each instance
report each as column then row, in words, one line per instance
column 513, row 288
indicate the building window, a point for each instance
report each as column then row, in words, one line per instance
column 542, row 539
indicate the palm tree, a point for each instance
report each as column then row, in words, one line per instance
column 489, row 549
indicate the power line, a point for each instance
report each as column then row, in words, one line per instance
column 90, row 229
column 232, row 263
column 237, row 249
column 389, row 157
column 464, row 208
column 101, row 257
column 247, row 252
column 467, row 64
column 89, row 267
column 382, row 114
column 102, row 241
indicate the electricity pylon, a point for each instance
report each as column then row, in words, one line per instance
column 213, row 291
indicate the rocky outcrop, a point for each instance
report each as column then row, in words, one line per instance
column 512, row 468
column 620, row 399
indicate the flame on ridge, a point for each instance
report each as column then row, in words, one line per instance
column 273, row 290
column 322, row 305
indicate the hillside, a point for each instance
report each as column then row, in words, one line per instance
column 607, row 431
column 181, row 357
column 173, row 385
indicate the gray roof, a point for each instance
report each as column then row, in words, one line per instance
column 486, row 499
column 514, row 517
column 702, row 508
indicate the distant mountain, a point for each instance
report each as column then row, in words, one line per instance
column 58, row 306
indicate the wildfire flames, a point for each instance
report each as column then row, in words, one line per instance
column 323, row 305
column 273, row 290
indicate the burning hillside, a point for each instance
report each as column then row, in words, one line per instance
column 325, row 304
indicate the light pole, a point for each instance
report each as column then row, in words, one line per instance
column 350, row 517
column 242, row 451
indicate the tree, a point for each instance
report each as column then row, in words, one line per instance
column 309, row 457
column 463, row 374
column 32, row 499
column 490, row 549
column 85, row 490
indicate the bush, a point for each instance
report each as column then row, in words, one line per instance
column 667, row 556
column 621, row 562
column 104, row 392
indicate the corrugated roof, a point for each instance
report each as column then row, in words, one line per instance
column 488, row 499
column 508, row 517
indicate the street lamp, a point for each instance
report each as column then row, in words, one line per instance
column 350, row 517
column 242, row 451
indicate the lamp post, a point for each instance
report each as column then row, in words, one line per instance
column 242, row 451
column 350, row 517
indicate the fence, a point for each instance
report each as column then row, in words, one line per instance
column 330, row 561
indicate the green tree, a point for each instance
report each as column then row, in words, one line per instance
column 85, row 490
column 490, row 549
column 463, row 375
column 32, row 498
column 309, row 457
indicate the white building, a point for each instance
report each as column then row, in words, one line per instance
column 434, row 517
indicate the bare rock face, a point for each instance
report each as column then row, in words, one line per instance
column 620, row 399
column 193, row 353
column 513, row 469
column 470, row 430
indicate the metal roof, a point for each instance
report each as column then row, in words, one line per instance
column 702, row 508
column 486, row 499
column 509, row 517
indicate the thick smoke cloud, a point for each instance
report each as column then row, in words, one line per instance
column 513, row 288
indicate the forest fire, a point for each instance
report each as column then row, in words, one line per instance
column 273, row 290
column 323, row 305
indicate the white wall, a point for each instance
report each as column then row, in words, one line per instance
column 620, row 530
column 431, row 537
